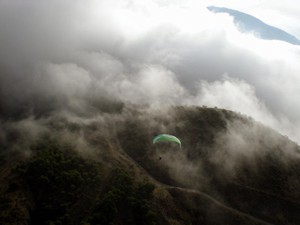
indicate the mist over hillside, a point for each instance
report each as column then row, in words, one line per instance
column 229, row 169
column 84, row 88
column 140, row 53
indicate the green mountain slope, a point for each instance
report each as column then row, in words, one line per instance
column 105, row 169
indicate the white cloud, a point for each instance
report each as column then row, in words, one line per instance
column 150, row 52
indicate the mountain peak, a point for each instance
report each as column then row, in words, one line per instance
column 247, row 23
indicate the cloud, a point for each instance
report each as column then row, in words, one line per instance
column 64, row 55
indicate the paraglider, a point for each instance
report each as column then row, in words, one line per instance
column 166, row 138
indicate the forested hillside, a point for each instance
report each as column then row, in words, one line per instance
column 104, row 169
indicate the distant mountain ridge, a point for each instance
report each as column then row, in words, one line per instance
column 247, row 23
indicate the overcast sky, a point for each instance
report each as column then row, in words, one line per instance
column 64, row 54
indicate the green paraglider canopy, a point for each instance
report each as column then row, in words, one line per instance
column 166, row 138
